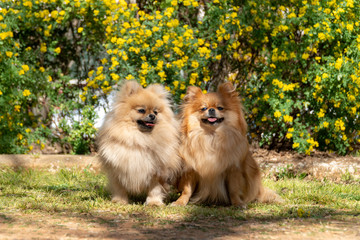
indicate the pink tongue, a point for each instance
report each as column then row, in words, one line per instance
column 149, row 124
column 212, row 119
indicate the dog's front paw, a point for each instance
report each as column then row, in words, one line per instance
column 119, row 200
column 239, row 204
column 179, row 202
column 154, row 202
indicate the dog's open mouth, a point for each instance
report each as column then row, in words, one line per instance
column 212, row 120
column 146, row 124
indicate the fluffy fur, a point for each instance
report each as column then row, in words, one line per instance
column 219, row 168
column 138, row 144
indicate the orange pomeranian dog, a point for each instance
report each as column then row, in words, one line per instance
column 219, row 167
column 138, row 144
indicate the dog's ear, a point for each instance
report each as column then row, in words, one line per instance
column 159, row 90
column 227, row 90
column 130, row 88
column 192, row 92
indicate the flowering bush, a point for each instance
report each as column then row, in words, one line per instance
column 296, row 64
column 306, row 92
column 47, row 48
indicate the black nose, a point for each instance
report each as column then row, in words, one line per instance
column 152, row 116
column 211, row 110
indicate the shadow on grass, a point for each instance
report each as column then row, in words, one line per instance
column 208, row 222
column 84, row 197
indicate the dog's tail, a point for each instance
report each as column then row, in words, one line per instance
column 267, row 195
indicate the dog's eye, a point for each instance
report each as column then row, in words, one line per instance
column 204, row 109
column 141, row 110
column 220, row 108
column 155, row 112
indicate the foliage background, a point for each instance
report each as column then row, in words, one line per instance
column 295, row 63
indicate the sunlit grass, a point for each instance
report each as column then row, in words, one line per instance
column 82, row 191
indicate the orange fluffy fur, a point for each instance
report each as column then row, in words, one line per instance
column 219, row 167
column 140, row 158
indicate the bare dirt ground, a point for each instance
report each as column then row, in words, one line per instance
column 77, row 226
column 44, row 225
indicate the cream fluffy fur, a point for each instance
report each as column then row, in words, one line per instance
column 136, row 161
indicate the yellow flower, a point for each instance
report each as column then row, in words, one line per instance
column 295, row 145
column 25, row 68
column 26, row 93
column 288, row 118
column 353, row 110
column 129, row 77
column 249, row 29
column 321, row 36
column 17, row 108
column 321, row 113
column 43, row 47
column 193, row 78
column 57, row 50
column 289, row 135
column 114, row 76
column 162, row 75
column 19, row 136
column 49, row 78
column 80, row 29
column 9, row 54
column 292, row 15
column 305, row 56
column 338, row 63
column 82, row 97
column 54, row 14
column 194, row 64
column 1, row 92
column 187, row 3
column 47, row 33
column 277, row 114
column 4, row 35
column 326, row 124
column 349, row 27
column 176, row 84
column 27, row 4
column 339, row 125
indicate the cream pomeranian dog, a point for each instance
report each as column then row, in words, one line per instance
column 219, row 167
column 138, row 144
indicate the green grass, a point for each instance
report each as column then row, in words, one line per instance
column 82, row 191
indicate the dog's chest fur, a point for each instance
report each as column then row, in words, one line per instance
column 211, row 155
